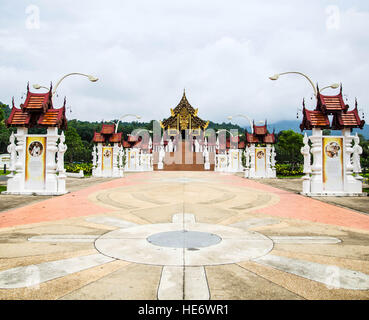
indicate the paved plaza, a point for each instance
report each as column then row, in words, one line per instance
column 181, row 235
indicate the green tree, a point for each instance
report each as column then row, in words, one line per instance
column 288, row 148
column 364, row 159
column 4, row 131
column 76, row 149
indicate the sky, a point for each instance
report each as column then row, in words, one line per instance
column 145, row 52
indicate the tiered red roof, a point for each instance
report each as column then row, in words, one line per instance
column 260, row 135
column 37, row 111
column 331, row 105
column 107, row 135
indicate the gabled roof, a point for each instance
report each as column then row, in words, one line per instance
column 250, row 138
column 349, row 119
column 98, row 137
column 269, row 138
column 107, row 129
column 18, row 118
column 107, row 135
column 331, row 105
column 116, row 137
column 37, row 111
column 260, row 130
column 314, row 119
column 184, row 108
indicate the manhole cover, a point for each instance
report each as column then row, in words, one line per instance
column 184, row 239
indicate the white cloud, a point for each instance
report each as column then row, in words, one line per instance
column 222, row 52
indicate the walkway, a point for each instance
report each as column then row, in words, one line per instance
column 183, row 235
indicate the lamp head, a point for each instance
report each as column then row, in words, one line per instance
column 92, row 78
column 138, row 117
column 334, row 86
column 36, row 86
column 275, row 77
column 229, row 117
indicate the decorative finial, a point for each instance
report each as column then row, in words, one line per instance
column 13, row 102
column 28, row 86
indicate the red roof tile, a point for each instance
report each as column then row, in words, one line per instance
column 314, row 119
column 98, row 137
column 260, row 130
column 269, row 138
column 116, row 137
column 18, row 118
column 251, row 138
column 331, row 104
column 107, row 129
column 349, row 119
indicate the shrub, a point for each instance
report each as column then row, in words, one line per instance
column 76, row 167
column 286, row 170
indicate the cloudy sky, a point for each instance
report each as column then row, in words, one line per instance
column 145, row 52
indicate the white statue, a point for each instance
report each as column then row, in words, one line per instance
column 170, row 145
column 197, row 146
column 13, row 153
column 94, row 155
column 247, row 155
column 150, row 143
column 357, row 151
column 62, row 148
column 121, row 155
column 273, row 155
column 305, row 151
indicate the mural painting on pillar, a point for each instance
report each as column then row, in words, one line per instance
column 107, row 162
column 260, row 153
column 333, row 165
column 37, row 161
column 260, row 162
column 335, row 170
column 35, row 166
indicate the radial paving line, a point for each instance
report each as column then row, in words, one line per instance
column 20, row 277
column 333, row 276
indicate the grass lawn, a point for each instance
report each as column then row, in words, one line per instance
column 366, row 190
column 2, row 188
column 4, row 174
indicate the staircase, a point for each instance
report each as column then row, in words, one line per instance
column 183, row 160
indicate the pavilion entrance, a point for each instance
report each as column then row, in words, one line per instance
column 183, row 146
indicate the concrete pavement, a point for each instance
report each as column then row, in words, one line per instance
column 183, row 235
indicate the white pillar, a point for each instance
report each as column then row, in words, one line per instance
column 61, row 179
column 317, row 168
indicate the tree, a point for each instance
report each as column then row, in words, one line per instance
column 288, row 148
column 76, row 149
column 364, row 158
column 4, row 131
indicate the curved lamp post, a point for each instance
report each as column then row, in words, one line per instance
column 124, row 116
column 246, row 117
column 229, row 132
column 276, row 77
column 90, row 77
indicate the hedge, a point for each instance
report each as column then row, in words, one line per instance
column 76, row 167
column 286, row 170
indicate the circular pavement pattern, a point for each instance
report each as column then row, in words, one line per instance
column 166, row 244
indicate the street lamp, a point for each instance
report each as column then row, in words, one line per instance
column 277, row 75
column 90, row 77
column 246, row 117
column 124, row 116
column 229, row 132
